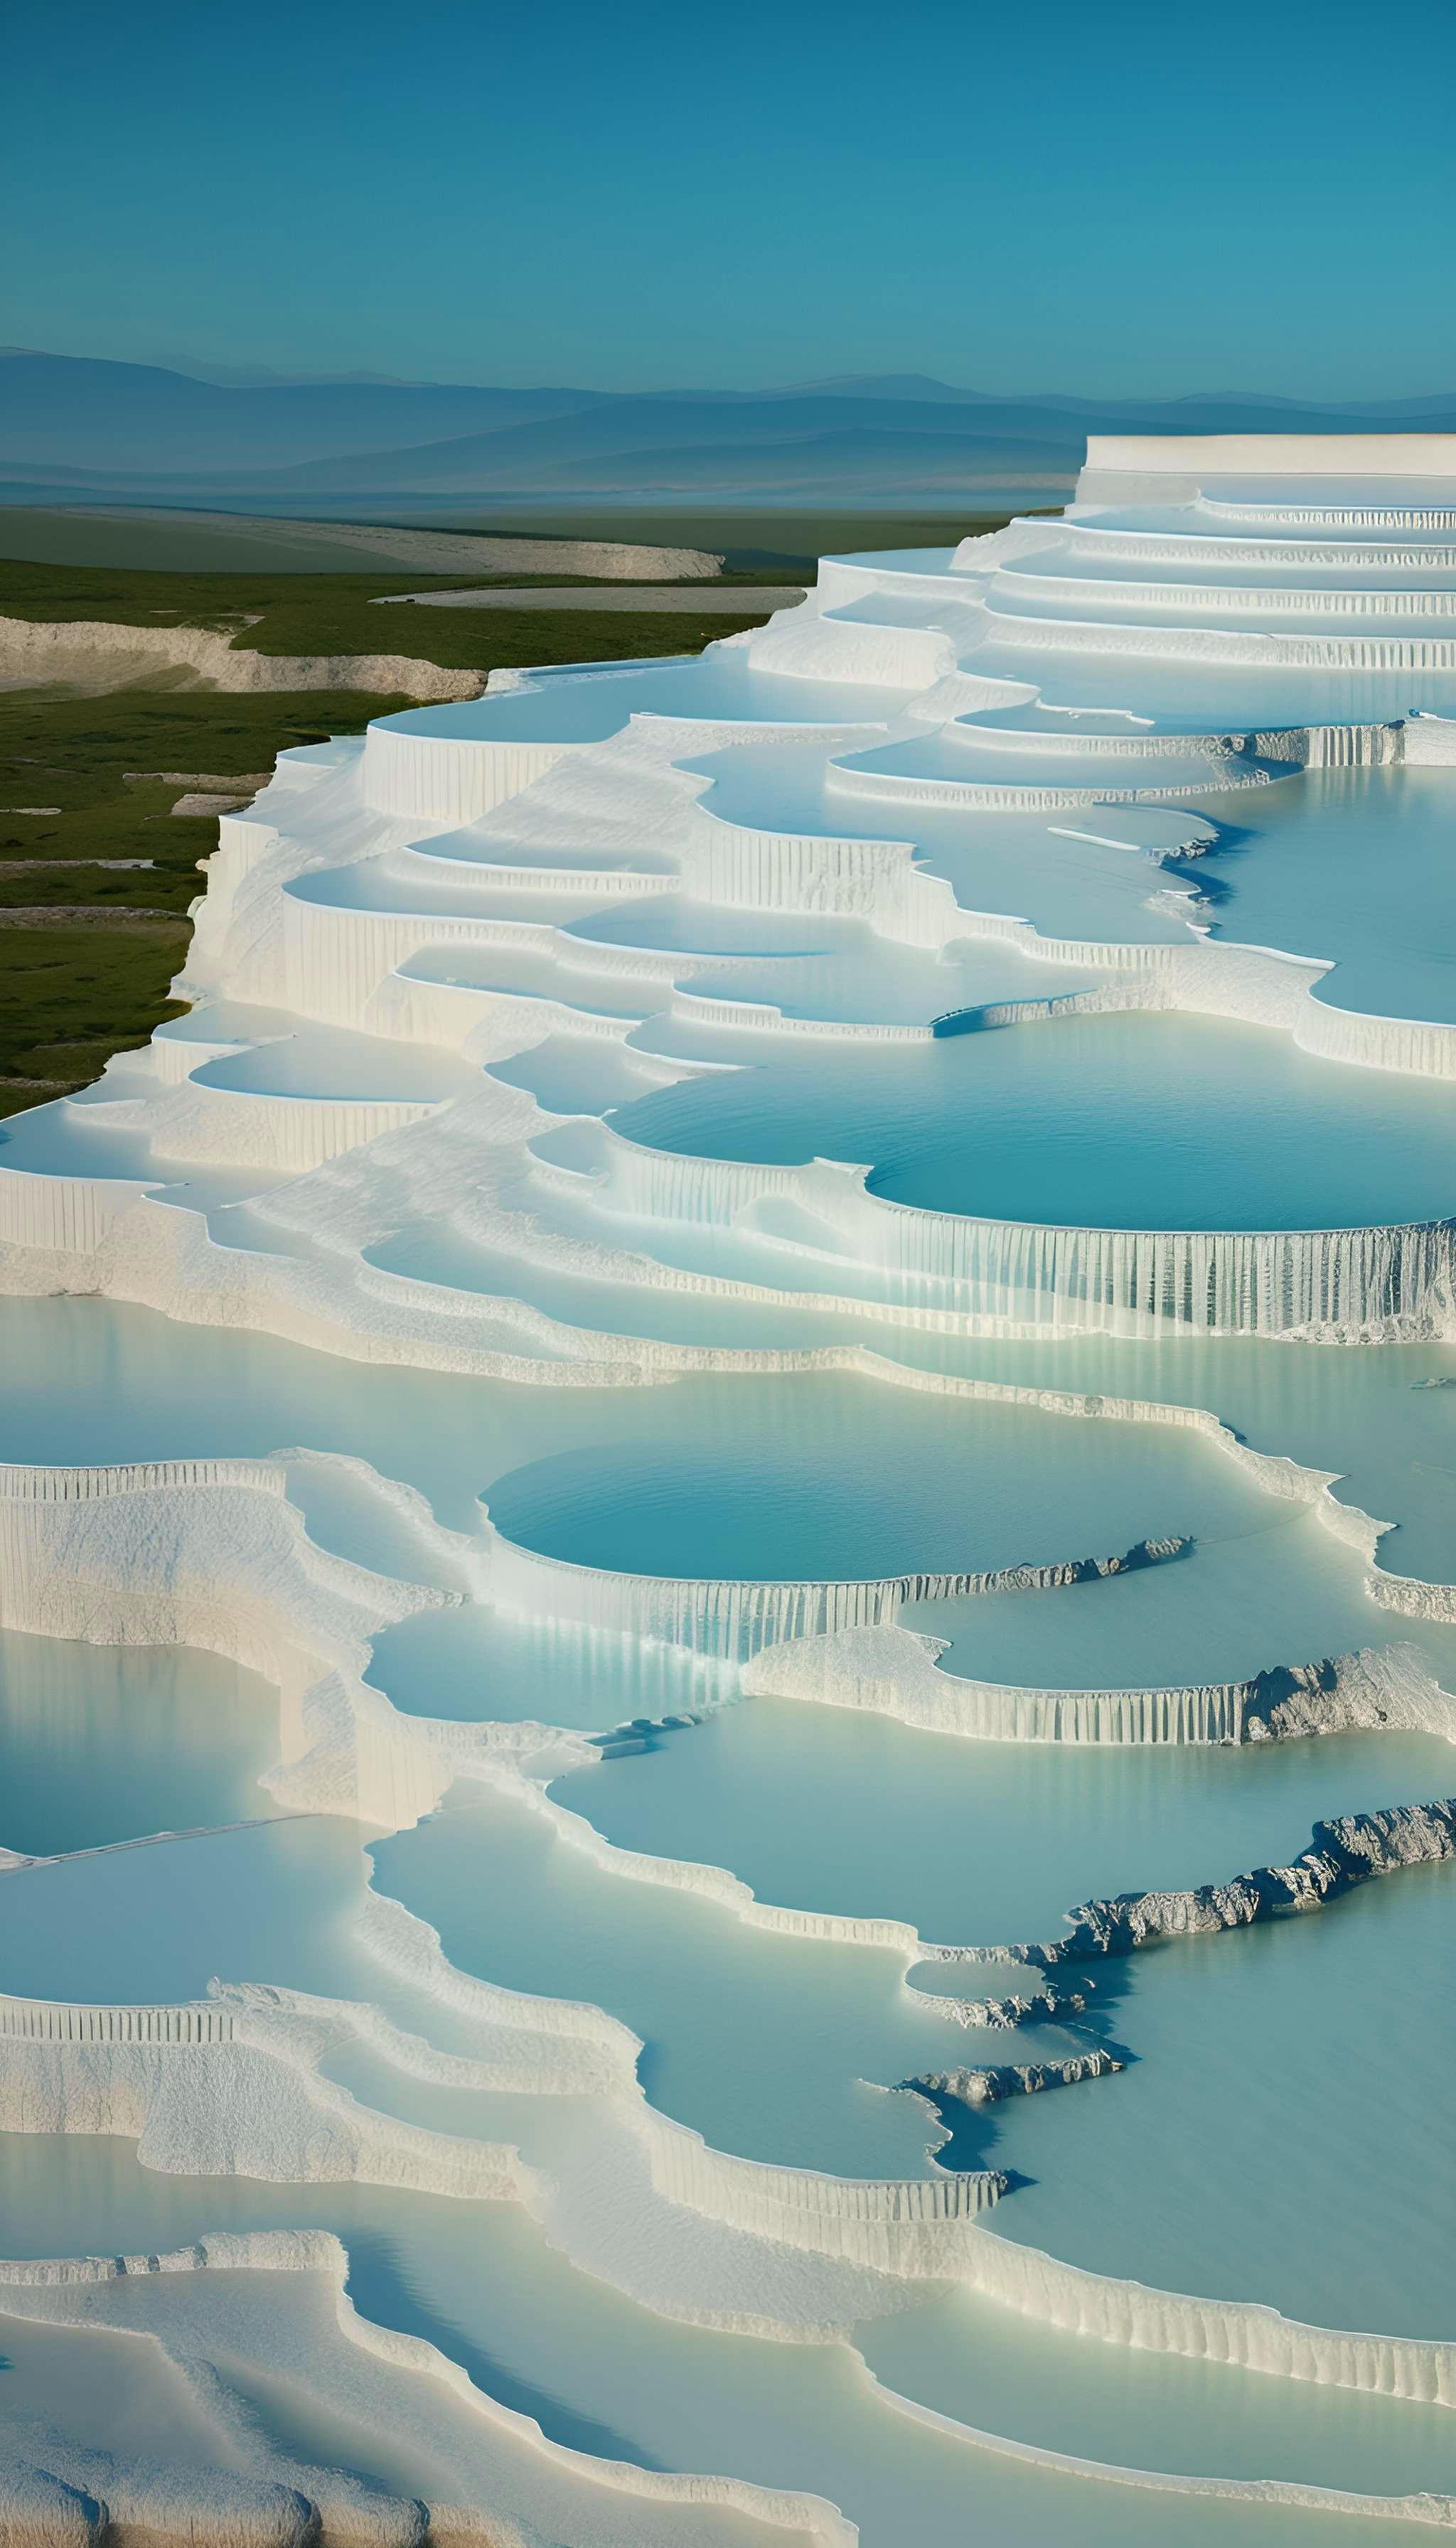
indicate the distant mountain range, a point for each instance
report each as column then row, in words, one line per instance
column 135, row 429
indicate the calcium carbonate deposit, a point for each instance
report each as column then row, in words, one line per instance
column 728, row 1588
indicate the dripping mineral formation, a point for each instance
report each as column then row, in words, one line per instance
column 854, row 1238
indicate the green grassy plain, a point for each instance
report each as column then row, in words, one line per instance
column 62, row 536
column 70, row 997
column 775, row 542
column 331, row 614
column 75, row 992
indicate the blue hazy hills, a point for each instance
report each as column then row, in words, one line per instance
column 73, row 425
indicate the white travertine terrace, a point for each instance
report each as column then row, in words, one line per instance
column 954, row 803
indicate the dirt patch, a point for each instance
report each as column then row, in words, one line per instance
column 214, row 783
column 96, row 656
column 87, row 915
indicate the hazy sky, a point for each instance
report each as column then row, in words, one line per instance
column 1103, row 196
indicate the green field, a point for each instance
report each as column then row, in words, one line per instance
column 69, row 998
column 60, row 537
column 331, row 614
column 77, row 754
column 773, row 543
column 81, row 988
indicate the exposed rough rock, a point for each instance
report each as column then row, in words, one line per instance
column 894, row 1670
column 103, row 655
column 202, row 802
column 424, row 885
column 209, row 781
column 40, row 2511
column 1023, row 2008
column 87, row 915
column 1002, row 2079
column 1342, row 1855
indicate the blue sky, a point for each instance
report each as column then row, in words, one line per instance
column 1102, row 199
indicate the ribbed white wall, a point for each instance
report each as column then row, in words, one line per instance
column 718, row 1616
column 1085, row 595
column 876, row 2222
column 442, row 780
column 1039, row 2287
column 1399, row 1279
column 1429, row 741
column 978, row 794
column 1278, row 456
column 1222, row 645
column 335, row 956
column 878, row 881
column 72, row 1214
column 42, row 2021
column 251, row 1127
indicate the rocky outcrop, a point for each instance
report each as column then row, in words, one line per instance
column 990, row 2085
column 1342, row 1854
column 101, row 655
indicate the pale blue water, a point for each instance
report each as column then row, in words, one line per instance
column 1013, row 864
column 1186, row 695
column 835, row 1480
column 104, row 1380
column 977, row 1844
column 970, row 755
column 808, row 966
column 677, row 922
column 332, row 1062
column 105, row 1743
column 1284, row 2133
column 1358, row 864
column 1137, row 1122
column 605, row 2376
column 972, row 2360
column 529, row 971
column 1241, row 1605
column 439, row 1253
column 1279, row 2130
column 902, row 985
column 475, row 1663
column 61, row 1139
column 72, row 1139
column 562, row 707
column 934, row 561
column 980, row 2364
column 779, row 2049
column 398, row 881
column 571, row 1074
column 270, row 1901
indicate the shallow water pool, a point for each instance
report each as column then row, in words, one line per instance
column 105, row 1743
column 1125, row 1122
